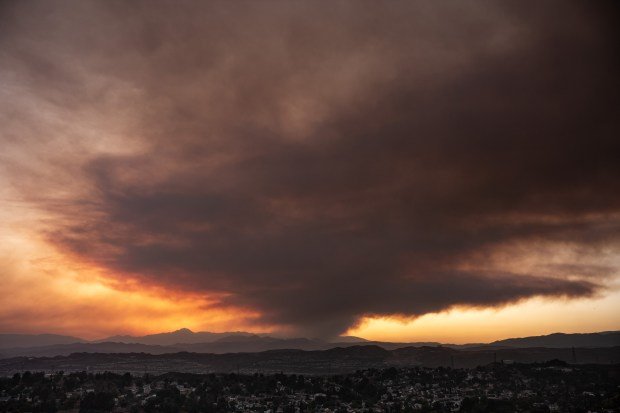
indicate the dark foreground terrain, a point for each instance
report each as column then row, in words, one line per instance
column 498, row 387
column 332, row 361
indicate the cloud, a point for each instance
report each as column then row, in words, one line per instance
column 317, row 163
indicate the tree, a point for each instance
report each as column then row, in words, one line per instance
column 97, row 402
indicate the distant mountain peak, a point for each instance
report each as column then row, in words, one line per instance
column 185, row 339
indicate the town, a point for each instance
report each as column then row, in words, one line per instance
column 553, row 386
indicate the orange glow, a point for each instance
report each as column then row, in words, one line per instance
column 73, row 298
column 46, row 291
column 531, row 317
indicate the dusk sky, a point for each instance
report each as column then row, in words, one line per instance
column 404, row 171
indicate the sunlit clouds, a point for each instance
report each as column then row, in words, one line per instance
column 43, row 290
column 532, row 317
column 309, row 169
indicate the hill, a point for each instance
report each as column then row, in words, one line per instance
column 562, row 340
column 32, row 340
column 332, row 361
column 12, row 345
column 181, row 336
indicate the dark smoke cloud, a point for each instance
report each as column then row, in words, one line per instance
column 323, row 161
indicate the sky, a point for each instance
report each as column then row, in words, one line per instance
column 404, row 171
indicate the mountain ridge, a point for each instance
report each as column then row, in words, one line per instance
column 8, row 340
column 232, row 342
column 335, row 360
column 559, row 340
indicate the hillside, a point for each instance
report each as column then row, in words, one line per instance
column 562, row 340
column 336, row 360
column 12, row 345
